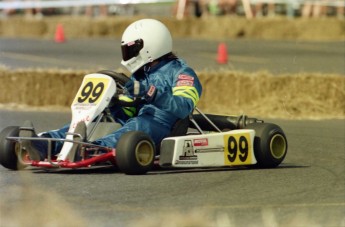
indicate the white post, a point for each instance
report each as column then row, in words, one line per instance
column 181, row 7
column 247, row 9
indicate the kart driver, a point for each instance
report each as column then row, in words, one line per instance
column 169, row 86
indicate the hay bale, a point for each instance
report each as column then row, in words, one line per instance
column 1, row 27
column 208, row 28
column 39, row 87
column 275, row 28
column 282, row 96
column 23, row 27
column 224, row 92
column 321, row 29
column 74, row 27
column 116, row 26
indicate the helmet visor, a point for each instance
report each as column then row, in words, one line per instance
column 131, row 49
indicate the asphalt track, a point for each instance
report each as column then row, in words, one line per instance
column 277, row 57
column 308, row 189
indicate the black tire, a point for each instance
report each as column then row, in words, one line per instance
column 135, row 153
column 270, row 144
column 8, row 156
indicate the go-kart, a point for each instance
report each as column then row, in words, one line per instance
column 198, row 141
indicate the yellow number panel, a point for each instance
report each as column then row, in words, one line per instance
column 91, row 90
column 237, row 149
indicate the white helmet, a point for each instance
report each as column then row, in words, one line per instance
column 144, row 41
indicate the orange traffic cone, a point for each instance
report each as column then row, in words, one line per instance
column 222, row 57
column 59, row 34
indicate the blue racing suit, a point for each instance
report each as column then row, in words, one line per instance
column 178, row 92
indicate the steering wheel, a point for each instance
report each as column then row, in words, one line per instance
column 121, row 79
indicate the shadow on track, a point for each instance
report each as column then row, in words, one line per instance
column 103, row 169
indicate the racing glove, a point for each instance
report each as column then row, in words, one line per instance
column 138, row 89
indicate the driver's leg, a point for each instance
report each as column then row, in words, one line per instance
column 38, row 149
column 57, row 134
column 144, row 123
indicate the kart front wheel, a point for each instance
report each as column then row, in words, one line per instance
column 8, row 154
column 270, row 144
column 135, row 153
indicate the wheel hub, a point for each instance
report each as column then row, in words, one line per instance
column 144, row 153
column 278, row 146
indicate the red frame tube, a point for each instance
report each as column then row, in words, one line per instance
column 109, row 156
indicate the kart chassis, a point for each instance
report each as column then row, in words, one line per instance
column 100, row 154
column 200, row 140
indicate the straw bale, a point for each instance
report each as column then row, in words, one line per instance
column 285, row 96
column 205, row 28
column 303, row 95
column 73, row 27
column 21, row 27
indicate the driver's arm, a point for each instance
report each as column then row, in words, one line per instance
column 182, row 97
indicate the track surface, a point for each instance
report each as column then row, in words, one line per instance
column 308, row 189
column 278, row 57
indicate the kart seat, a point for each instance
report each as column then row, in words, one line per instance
column 180, row 128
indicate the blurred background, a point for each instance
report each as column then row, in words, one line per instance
column 179, row 9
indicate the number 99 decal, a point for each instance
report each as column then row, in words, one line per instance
column 237, row 149
column 91, row 91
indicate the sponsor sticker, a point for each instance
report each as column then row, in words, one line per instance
column 188, row 156
column 200, row 142
column 187, row 162
column 184, row 83
column 185, row 77
column 151, row 91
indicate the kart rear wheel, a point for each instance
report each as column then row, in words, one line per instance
column 270, row 144
column 8, row 154
column 135, row 153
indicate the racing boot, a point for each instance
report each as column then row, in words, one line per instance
column 80, row 136
column 27, row 130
